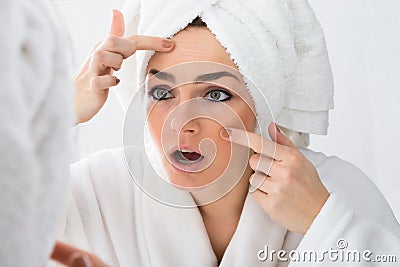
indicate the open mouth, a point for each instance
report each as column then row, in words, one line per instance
column 187, row 157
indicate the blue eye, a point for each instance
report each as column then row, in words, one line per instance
column 218, row 95
column 160, row 93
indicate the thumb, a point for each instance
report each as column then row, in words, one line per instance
column 117, row 24
column 279, row 137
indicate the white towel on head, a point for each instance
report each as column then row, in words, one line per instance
column 278, row 46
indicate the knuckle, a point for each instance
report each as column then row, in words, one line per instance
column 287, row 175
column 112, row 41
column 298, row 160
column 120, row 59
column 110, row 80
column 95, row 82
column 135, row 40
column 99, row 55
column 119, row 62
column 277, row 190
column 274, row 208
column 254, row 161
column 292, row 156
column 280, row 189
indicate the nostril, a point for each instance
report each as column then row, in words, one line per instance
column 176, row 126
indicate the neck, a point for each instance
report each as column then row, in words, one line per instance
column 230, row 206
column 221, row 217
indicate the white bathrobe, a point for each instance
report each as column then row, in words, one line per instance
column 109, row 215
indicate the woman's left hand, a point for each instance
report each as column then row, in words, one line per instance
column 285, row 182
column 71, row 256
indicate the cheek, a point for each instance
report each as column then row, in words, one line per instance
column 247, row 116
column 155, row 122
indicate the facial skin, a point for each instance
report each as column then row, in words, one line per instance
column 197, row 44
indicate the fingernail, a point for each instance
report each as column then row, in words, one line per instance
column 117, row 80
column 114, row 13
column 225, row 133
column 81, row 261
column 166, row 43
column 252, row 188
column 255, row 182
column 276, row 126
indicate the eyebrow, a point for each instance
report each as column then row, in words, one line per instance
column 214, row 76
column 201, row 78
column 162, row 75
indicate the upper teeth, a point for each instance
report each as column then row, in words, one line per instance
column 184, row 150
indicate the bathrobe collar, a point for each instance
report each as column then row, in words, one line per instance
column 177, row 236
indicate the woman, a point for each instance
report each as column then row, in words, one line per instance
column 299, row 199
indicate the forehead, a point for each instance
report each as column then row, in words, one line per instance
column 192, row 44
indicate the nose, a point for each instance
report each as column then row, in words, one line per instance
column 184, row 117
column 185, row 125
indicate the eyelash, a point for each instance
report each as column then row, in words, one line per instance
column 153, row 90
column 213, row 89
column 228, row 94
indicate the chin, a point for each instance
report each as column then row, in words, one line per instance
column 188, row 181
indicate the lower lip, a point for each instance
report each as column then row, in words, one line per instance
column 187, row 168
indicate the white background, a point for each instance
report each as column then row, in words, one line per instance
column 363, row 40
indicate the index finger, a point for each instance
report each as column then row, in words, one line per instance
column 127, row 46
column 259, row 144
column 143, row 42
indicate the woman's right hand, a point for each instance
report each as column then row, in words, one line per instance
column 93, row 80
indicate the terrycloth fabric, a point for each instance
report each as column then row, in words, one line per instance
column 109, row 215
column 35, row 116
column 278, row 46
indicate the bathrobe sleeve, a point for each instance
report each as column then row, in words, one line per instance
column 35, row 116
column 355, row 219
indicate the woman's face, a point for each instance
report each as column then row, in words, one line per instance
column 190, row 102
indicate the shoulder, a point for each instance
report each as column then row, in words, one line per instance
column 102, row 193
column 353, row 186
column 104, row 175
column 109, row 162
column 111, row 156
column 333, row 170
column 107, row 169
